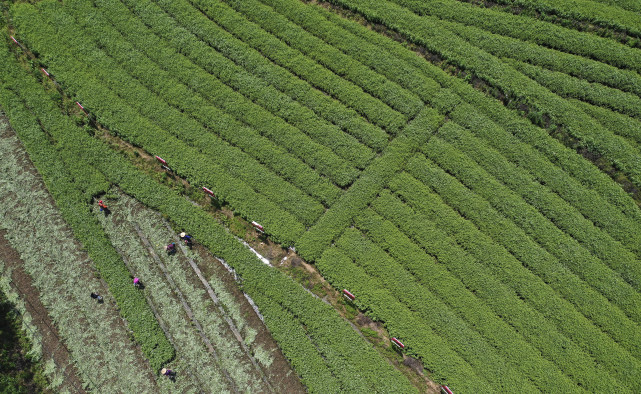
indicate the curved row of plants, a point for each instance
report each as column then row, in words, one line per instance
column 481, row 277
column 586, row 10
column 366, row 47
column 464, row 300
column 254, row 62
column 280, row 53
column 330, row 57
column 575, row 300
column 567, row 249
column 431, row 33
column 532, row 30
column 287, row 114
column 569, row 174
column 153, row 107
column 617, row 255
column 371, row 270
column 313, row 242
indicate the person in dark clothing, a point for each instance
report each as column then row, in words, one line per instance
column 168, row 373
column 171, row 248
column 187, row 239
column 96, row 297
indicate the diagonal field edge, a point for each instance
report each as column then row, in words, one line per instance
column 312, row 244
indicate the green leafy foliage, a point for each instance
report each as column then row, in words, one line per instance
column 532, row 30
column 341, row 64
column 437, row 37
column 479, row 275
column 372, row 109
column 257, row 64
column 114, row 113
column 373, row 179
column 571, row 87
column 586, row 10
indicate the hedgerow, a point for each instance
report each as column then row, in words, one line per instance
column 593, row 205
column 431, row 33
column 327, row 26
column 255, row 63
column 305, row 121
column 532, row 30
column 519, row 274
column 506, row 302
column 585, row 10
column 351, row 95
column 73, row 204
column 372, row 269
column 304, row 357
column 374, row 178
column 340, row 346
column 448, row 288
column 185, row 99
column 489, row 114
column 420, row 340
column 548, row 203
column 330, row 57
column 552, row 59
column 567, row 287
column 630, row 5
column 617, row 123
column 571, row 87
column 233, row 160
column 567, row 249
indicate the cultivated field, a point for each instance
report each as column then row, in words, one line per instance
column 469, row 172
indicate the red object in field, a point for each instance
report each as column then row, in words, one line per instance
column 348, row 295
column 14, row 40
column 398, row 343
column 258, row 227
column 160, row 159
column 45, row 72
column 82, row 108
column 208, row 191
column 446, row 390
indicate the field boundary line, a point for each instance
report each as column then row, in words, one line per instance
column 225, row 315
column 184, row 303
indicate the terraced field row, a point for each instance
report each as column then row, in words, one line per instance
column 438, row 171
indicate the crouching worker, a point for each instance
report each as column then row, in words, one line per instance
column 137, row 283
column 103, row 207
column 187, row 239
column 171, row 248
column 96, row 297
column 168, row 373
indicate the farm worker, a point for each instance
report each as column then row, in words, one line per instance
column 168, row 373
column 186, row 237
column 136, row 282
column 96, row 296
column 171, row 248
column 102, row 205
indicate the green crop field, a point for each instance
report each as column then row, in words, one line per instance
column 468, row 171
